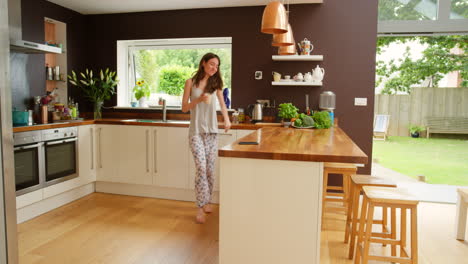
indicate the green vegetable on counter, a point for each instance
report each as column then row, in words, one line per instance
column 287, row 111
column 298, row 122
column 322, row 119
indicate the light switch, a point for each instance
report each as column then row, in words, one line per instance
column 360, row 101
column 258, row 75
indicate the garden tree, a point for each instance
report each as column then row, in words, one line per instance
column 402, row 10
column 172, row 79
column 436, row 61
column 149, row 64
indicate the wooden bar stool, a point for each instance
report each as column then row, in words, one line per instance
column 357, row 182
column 394, row 198
column 345, row 169
column 462, row 206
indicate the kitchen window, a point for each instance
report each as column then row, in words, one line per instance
column 164, row 65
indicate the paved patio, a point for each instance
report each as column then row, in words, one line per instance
column 436, row 193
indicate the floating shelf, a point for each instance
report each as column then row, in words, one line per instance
column 297, row 83
column 297, row 57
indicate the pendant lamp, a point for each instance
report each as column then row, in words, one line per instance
column 274, row 20
column 287, row 50
column 285, row 39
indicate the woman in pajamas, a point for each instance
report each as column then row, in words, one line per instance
column 203, row 133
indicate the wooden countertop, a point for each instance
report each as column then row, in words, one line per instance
column 120, row 121
column 278, row 143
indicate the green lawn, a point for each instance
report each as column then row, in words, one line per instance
column 442, row 161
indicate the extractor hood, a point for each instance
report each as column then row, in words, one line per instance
column 16, row 42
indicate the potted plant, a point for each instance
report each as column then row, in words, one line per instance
column 415, row 129
column 96, row 88
column 142, row 92
column 287, row 111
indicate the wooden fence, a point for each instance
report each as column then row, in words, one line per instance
column 421, row 103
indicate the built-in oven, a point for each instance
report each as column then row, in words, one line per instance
column 61, row 149
column 29, row 161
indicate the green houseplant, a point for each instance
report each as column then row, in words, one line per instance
column 142, row 92
column 96, row 88
column 287, row 111
column 415, row 129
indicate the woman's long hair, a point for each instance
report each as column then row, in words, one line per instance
column 215, row 82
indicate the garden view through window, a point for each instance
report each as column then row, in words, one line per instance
column 165, row 70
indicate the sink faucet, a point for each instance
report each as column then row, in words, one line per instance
column 164, row 110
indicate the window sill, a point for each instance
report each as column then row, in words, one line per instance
column 157, row 108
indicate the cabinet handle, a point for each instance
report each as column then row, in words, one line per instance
column 147, row 150
column 99, row 146
column 92, row 148
column 155, row 151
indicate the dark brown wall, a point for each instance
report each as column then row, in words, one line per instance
column 33, row 13
column 343, row 31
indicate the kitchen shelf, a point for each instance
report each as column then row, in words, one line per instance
column 297, row 83
column 55, row 80
column 297, row 57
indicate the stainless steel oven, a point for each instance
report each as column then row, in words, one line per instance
column 60, row 154
column 29, row 161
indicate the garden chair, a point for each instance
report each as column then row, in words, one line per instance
column 381, row 123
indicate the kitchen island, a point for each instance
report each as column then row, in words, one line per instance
column 270, row 193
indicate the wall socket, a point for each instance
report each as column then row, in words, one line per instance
column 264, row 102
column 360, row 101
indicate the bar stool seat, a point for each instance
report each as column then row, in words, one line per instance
column 345, row 169
column 357, row 182
column 393, row 198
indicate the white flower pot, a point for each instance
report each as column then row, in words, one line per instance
column 142, row 102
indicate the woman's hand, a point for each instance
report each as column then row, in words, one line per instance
column 227, row 125
column 204, row 98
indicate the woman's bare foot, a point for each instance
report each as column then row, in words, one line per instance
column 208, row 208
column 201, row 216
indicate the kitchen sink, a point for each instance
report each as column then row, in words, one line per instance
column 157, row 121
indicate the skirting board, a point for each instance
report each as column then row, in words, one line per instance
column 29, row 212
column 150, row 191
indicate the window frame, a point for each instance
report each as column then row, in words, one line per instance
column 125, row 65
column 443, row 24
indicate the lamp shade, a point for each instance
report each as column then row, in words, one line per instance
column 287, row 50
column 274, row 20
column 285, row 39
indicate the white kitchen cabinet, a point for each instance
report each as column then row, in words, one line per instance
column 108, row 148
column 87, row 153
column 133, row 161
column 170, row 157
column 243, row 132
column 223, row 140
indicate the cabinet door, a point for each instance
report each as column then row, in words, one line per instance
column 223, row 140
column 107, row 152
column 243, row 132
column 170, row 160
column 87, row 153
column 133, row 161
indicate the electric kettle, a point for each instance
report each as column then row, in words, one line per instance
column 256, row 112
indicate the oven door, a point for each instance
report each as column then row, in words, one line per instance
column 60, row 160
column 29, row 170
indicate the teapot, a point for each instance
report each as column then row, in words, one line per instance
column 318, row 74
column 308, row 77
column 305, row 47
column 299, row 77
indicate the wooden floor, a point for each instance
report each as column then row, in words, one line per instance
column 113, row 229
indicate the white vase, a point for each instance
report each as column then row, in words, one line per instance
column 142, row 102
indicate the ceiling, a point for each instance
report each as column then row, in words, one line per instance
column 88, row 7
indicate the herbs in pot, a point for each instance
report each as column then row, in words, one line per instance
column 287, row 111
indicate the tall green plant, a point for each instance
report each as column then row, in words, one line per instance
column 172, row 78
column 96, row 88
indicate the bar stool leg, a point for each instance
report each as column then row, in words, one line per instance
column 393, row 228
column 354, row 217
column 384, row 221
column 370, row 219
column 414, row 235
column 349, row 212
column 403, row 232
column 324, row 191
column 357, row 260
